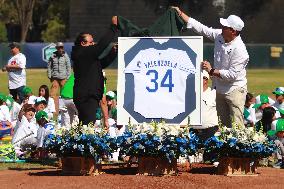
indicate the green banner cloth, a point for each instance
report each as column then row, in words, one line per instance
column 169, row 24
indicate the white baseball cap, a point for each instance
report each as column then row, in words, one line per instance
column 40, row 99
column 111, row 95
column 59, row 44
column 233, row 21
column 205, row 74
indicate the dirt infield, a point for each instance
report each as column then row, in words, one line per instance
column 198, row 177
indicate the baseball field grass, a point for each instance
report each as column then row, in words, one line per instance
column 259, row 80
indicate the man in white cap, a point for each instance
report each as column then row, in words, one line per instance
column 58, row 71
column 230, row 60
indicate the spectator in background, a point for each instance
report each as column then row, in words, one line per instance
column 50, row 109
column 16, row 69
column 262, row 101
column 67, row 107
column 5, row 117
column 229, row 71
column 209, row 112
column 14, row 109
column 111, row 104
column 268, row 116
column 249, row 111
column 40, row 104
column 29, row 98
column 278, row 135
column 279, row 96
column 58, row 71
column 26, row 130
column 103, row 104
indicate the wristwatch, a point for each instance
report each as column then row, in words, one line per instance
column 211, row 71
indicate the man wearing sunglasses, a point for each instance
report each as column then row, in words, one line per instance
column 230, row 60
column 58, row 71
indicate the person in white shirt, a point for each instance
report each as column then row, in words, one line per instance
column 16, row 69
column 26, row 130
column 43, row 91
column 263, row 101
column 14, row 109
column 249, row 111
column 43, row 130
column 5, row 118
column 209, row 112
column 230, row 60
column 40, row 104
column 29, row 98
column 279, row 96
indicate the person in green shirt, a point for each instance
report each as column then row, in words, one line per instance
column 111, row 103
column 67, row 107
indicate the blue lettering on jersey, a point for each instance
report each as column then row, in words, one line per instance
column 167, row 78
column 160, row 63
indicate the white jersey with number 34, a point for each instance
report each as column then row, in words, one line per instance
column 160, row 82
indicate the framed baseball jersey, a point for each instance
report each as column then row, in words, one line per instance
column 159, row 78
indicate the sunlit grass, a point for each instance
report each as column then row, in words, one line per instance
column 259, row 80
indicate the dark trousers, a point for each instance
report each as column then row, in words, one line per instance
column 17, row 94
column 204, row 134
column 87, row 108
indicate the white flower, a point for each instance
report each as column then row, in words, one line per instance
column 174, row 130
column 160, row 131
column 230, row 136
column 217, row 134
column 259, row 138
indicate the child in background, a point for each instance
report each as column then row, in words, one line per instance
column 26, row 131
column 249, row 111
column 268, row 116
column 67, row 108
column 279, row 142
column 43, row 131
column 103, row 106
column 40, row 103
column 14, row 109
column 262, row 101
column 43, row 91
column 5, row 117
column 279, row 96
column 29, row 98
column 111, row 103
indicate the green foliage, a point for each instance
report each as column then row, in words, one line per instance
column 55, row 31
column 50, row 12
column 8, row 12
column 7, row 152
column 3, row 33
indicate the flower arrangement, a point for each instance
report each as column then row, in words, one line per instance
column 238, row 141
column 80, row 141
column 157, row 140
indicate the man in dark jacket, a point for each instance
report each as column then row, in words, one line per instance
column 89, row 83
